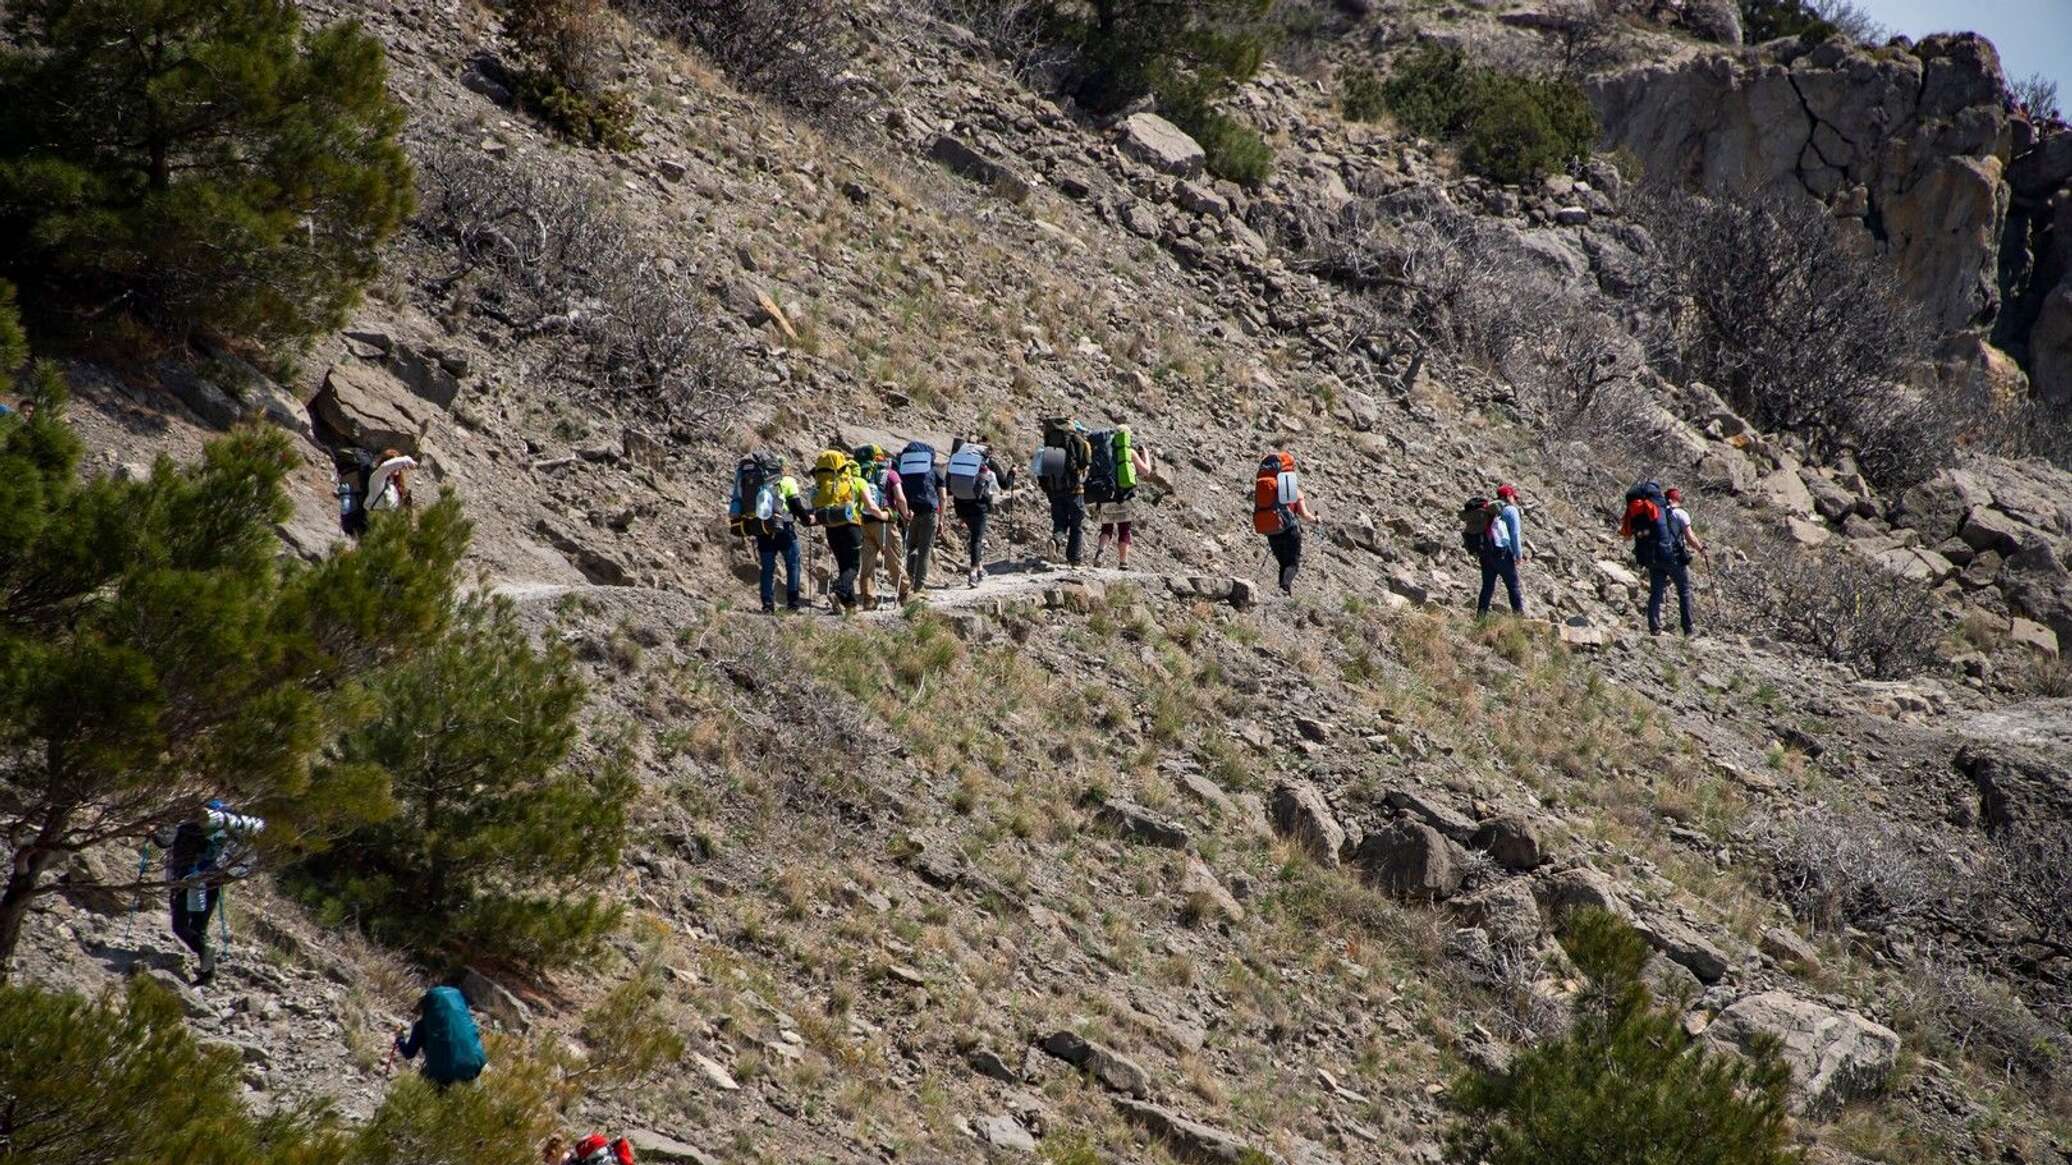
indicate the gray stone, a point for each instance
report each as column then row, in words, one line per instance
column 1506, row 910
column 1511, row 840
column 649, row 1145
column 1205, row 894
column 1579, row 888
column 1110, row 1068
column 1835, row 1056
column 1989, row 529
column 2034, row 636
column 204, row 398
column 987, row 1062
column 1137, row 823
column 1411, row 860
column 1686, row 946
column 1004, row 1132
column 494, row 1000
column 1718, row 21
column 1787, row 947
column 1160, row 144
column 1198, row 199
column 423, row 374
column 967, row 160
column 1431, row 809
column 367, row 407
column 1190, row 1140
column 1300, row 812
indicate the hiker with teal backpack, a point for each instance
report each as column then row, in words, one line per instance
column 1111, row 486
column 445, row 1032
column 202, row 854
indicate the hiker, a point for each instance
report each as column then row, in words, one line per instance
column 596, row 1150
column 388, row 486
column 1646, row 521
column 445, row 1032
column 1111, row 485
column 927, row 495
column 1060, row 468
column 1278, row 511
column 1503, row 549
column 1676, row 568
column 200, row 857
column 975, row 481
column 840, row 506
column 881, row 539
column 766, row 506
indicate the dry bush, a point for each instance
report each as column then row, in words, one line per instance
column 548, row 257
column 1799, row 328
column 1983, row 1020
column 1845, row 868
column 1015, row 31
column 2035, row 866
column 1851, row 611
column 798, row 53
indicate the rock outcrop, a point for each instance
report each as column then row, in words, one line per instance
column 1835, row 1056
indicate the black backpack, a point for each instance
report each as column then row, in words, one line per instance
column 352, row 468
column 1101, row 485
column 750, row 475
column 1654, row 541
column 1475, row 516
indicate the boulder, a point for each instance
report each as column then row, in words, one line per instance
column 1506, row 910
column 1160, row 144
column 1005, row 1133
column 1985, row 528
column 1718, row 21
column 1431, row 809
column 2034, row 636
column 1110, row 1068
column 1685, row 946
column 1299, row 812
column 652, row 1146
column 1196, row 198
column 1190, row 1140
column 1205, row 895
column 1579, row 888
column 494, row 1000
column 1786, row 490
column 1830, row 501
column 1137, row 823
column 1835, row 1056
column 367, row 407
column 203, row 397
column 1511, row 840
column 1788, row 948
column 1411, row 860
column 2050, row 341
column 964, row 159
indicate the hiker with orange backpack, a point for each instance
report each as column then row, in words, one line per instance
column 1278, row 512
column 1662, row 542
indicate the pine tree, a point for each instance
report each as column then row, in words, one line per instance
column 500, row 1119
column 195, row 163
column 495, row 837
column 1627, row 1085
column 87, row 1083
column 156, row 652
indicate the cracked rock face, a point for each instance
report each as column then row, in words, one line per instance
column 1910, row 145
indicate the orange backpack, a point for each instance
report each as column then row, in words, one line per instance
column 1270, row 511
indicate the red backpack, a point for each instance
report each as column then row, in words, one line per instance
column 595, row 1150
column 1270, row 511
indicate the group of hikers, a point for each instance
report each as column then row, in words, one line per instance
column 1655, row 520
column 881, row 510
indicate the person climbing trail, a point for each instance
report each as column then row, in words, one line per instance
column 1060, row 468
column 1278, row 512
column 445, row 1032
column 1503, row 548
column 976, row 480
column 202, row 854
column 766, row 506
column 881, row 536
column 927, row 496
column 840, row 505
column 1646, row 522
column 1675, row 567
column 1111, row 488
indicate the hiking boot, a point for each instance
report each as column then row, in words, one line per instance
column 971, row 579
column 207, row 973
column 905, row 592
column 770, row 608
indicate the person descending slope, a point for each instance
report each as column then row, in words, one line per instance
column 840, row 505
column 927, row 495
column 1278, row 512
column 881, row 538
column 1111, row 486
column 445, row 1032
column 1646, row 521
column 201, row 855
column 1060, row 468
column 975, row 481
column 1502, row 548
column 765, row 506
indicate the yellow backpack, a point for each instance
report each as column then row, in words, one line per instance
column 837, row 491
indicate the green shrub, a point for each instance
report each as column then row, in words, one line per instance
column 563, row 46
column 1233, row 149
column 500, row 1119
column 494, row 841
column 1766, row 20
column 1511, row 128
column 240, row 176
column 1626, row 1085
column 1361, row 96
column 85, row 1081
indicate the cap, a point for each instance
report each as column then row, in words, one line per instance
column 1507, row 490
column 1674, row 495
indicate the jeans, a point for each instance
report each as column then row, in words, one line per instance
column 192, row 926
column 784, row 542
column 920, row 546
column 1068, row 518
column 1500, row 564
column 1287, row 550
column 1660, row 575
column 880, row 541
column 846, row 543
column 975, row 516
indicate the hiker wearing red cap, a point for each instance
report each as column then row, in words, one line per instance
column 1675, row 567
column 1503, row 551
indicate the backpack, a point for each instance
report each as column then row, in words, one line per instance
column 917, row 464
column 452, row 1045
column 1062, row 459
column 1477, row 515
column 352, row 468
column 837, row 491
column 1274, row 491
column 1125, row 469
column 595, row 1150
column 871, row 468
column 1101, row 484
column 755, row 476
column 971, row 476
column 1647, row 522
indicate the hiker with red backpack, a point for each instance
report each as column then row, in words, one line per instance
column 1662, row 542
column 1494, row 532
column 1278, row 512
column 595, row 1149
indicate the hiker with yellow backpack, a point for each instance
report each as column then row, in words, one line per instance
column 840, row 505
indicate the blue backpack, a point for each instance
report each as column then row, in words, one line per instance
column 452, row 1046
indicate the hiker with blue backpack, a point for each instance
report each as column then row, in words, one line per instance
column 202, row 854
column 445, row 1033
column 976, row 481
column 766, row 506
column 1494, row 532
column 927, row 496
column 1662, row 542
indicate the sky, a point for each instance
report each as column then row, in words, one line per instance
column 2033, row 36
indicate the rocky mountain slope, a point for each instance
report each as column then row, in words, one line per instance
column 1153, row 865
